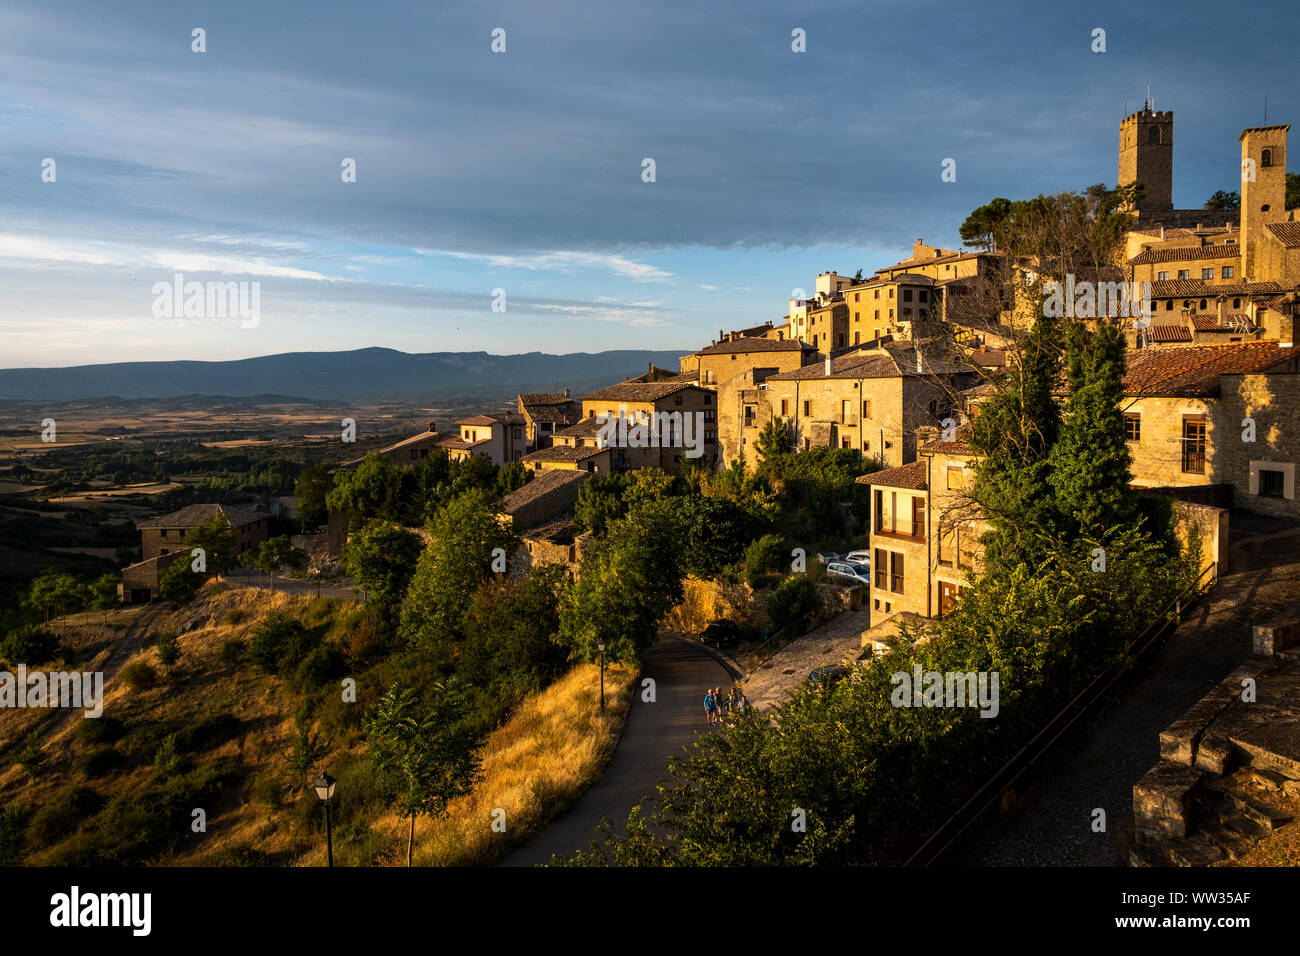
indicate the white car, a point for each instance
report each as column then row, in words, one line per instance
column 849, row 574
column 859, row 557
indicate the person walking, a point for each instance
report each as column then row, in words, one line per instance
column 731, row 699
column 708, row 707
column 743, row 706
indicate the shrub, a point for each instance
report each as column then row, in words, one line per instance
column 266, row 790
column 208, row 732
column 169, row 759
column 65, row 813
column 28, row 645
column 240, row 855
column 169, row 649
column 232, row 652
column 764, row 555
column 280, row 643
column 794, row 598
column 32, row 755
column 236, row 616
column 102, row 761
column 100, row 730
column 318, row 667
column 13, row 831
column 139, row 675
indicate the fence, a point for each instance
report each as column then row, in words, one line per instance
column 993, row 790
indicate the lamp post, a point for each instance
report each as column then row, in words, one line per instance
column 600, row 646
column 324, row 788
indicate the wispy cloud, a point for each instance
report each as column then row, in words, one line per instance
column 562, row 262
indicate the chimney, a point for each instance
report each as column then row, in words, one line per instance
column 1162, row 232
column 433, row 426
column 1200, row 226
column 650, row 368
column 828, row 364
column 566, row 393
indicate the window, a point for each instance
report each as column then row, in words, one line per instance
column 882, row 569
column 807, row 407
column 785, row 406
column 1266, row 158
column 877, row 295
column 1184, row 273
column 733, row 356
column 1153, row 136
column 907, row 295
column 895, row 572
column 955, row 482
column 751, row 413
column 519, row 433
column 879, row 512
column 857, row 338
column 1227, row 272
column 414, row 453
column 845, row 442
column 891, row 292
column 907, row 313
column 944, row 545
column 1207, row 274
column 891, row 313
column 1132, row 426
column 866, row 408
column 708, row 399
column 918, row 517
column 920, row 296
column 846, row 413
column 1236, row 303
column 1264, row 208
column 1271, row 483
column 1169, row 305
column 1162, row 276
column 856, row 296
column 1194, row 444
column 710, row 415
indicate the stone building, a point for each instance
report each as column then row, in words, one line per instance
column 499, row 436
column 668, row 402
column 552, row 493
column 165, row 534
column 544, row 413
column 726, row 359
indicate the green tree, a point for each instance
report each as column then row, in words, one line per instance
column 600, row 501
column 305, row 750
column 775, row 439
column 312, row 489
column 1293, row 190
column 169, row 648
column 763, row 556
column 32, row 755
column 216, row 539
column 982, row 225
column 54, row 592
column 275, row 554
column 381, row 559
column 468, row 538
column 794, row 599
column 376, row 489
column 180, row 582
column 103, row 593
column 419, row 755
column 1223, row 200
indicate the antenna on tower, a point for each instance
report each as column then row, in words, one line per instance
column 1266, row 107
column 1148, row 106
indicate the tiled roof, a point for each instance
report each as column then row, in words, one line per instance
column 1186, row 254
column 756, row 345
column 873, row 364
column 1198, row 288
column 564, row 453
column 636, row 392
column 948, row 448
column 989, row 359
column 1168, row 332
column 585, row 428
column 1232, row 322
column 924, row 261
column 1195, row 371
column 423, row 436
column 479, row 420
column 561, row 413
column 544, row 398
column 910, row 476
column 456, row 442
column 192, row 516
column 545, row 483
column 1182, row 232
column 1287, row 232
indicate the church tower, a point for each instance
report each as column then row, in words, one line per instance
column 1146, row 156
column 1263, row 187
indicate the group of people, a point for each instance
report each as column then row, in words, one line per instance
column 716, row 705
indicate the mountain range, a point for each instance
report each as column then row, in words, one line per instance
column 359, row 375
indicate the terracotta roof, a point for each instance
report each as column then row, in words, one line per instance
column 564, row 453
column 192, row 516
column 1186, row 253
column 948, row 448
column 455, row 441
column 561, row 413
column 924, row 261
column 1198, row 288
column 1287, row 232
column 1233, row 322
column 876, row 363
column 478, row 420
column 1195, row 371
column 756, row 345
column 545, row 483
column 988, row 359
column 910, row 476
column 1168, row 332
column 636, row 392
column 544, row 398
column 1183, row 232
column 423, row 436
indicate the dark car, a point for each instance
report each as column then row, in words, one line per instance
column 720, row 633
column 828, row 674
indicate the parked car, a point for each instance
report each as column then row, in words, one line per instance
column 828, row 674
column 859, row 557
column 720, row 632
column 826, row 557
column 841, row 572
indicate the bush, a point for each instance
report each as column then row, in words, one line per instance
column 240, row 855
column 208, row 732
column 102, row 761
column 28, row 645
column 763, row 556
column 236, row 616
column 169, row 759
column 13, row 831
column 280, row 643
column 319, row 667
column 232, row 652
column 169, row 649
column 64, row 814
column 266, row 790
column 794, row 598
column 100, row 730
column 139, row 675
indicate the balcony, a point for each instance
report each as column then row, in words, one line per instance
column 906, row 530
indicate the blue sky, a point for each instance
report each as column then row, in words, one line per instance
column 522, row 170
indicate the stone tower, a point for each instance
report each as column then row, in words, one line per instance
column 1146, row 156
column 1263, row 187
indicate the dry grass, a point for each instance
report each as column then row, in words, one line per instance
column 535, row 765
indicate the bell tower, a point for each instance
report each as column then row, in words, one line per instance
column 1146, row 157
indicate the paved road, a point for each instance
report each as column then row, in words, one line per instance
column 1098, row 764
column 681, row 671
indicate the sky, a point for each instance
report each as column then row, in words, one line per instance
column 523, row 170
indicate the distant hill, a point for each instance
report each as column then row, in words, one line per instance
column 364, row 374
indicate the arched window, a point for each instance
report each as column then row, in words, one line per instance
column 1266, row 158
column 1153, row 136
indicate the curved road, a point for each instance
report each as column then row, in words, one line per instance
column 682, row 671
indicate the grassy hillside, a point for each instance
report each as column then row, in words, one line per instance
column 211, row 732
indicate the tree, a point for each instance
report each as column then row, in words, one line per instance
column 32, row 755
column 180, row 582
column 216, row 539
column 982, row 225
column 305, row 750
column 55, row 592
column 774, row 440
column 276, row 553
column 794, row 598
column 1223, row 200
column 103, row 591
column 381, row 559
column 764, row 555
column 468, row 538
column 600, row 501
column 169, row 649
column 312, row 489
column 419, row 755
column 1293, row 190
column 376, row 489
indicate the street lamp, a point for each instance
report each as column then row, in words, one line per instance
column 324, row 788
column 600, row 646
